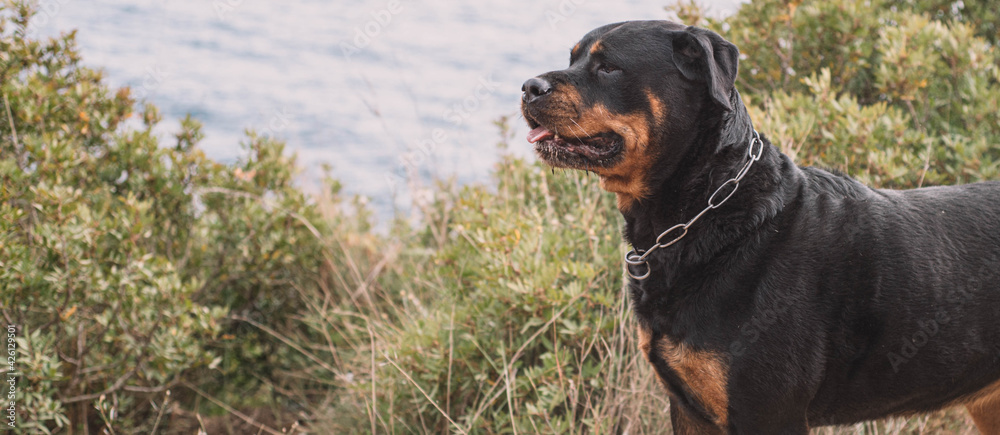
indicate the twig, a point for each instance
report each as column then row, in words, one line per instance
column 506, row 379
column 201, row 424
column 150, row 390
column 927, row 164
column 6, row 316
column 163, row 406
column 428, row 397
column 543, row 327
column 114, row 387
column 451, row 353
column 287, row 341
column 371, row 336
column 562, row 383
column 232, row 410
column 920, row 126
column 104, row 418
column 365, row 284
column 13, row 132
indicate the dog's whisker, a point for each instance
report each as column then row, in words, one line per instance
column 581, row 128
column 604, row 113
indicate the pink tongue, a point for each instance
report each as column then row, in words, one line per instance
column 540, row 133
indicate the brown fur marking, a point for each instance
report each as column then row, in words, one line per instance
column 686, row 424
column 645, row 340
column 563, row 107
column 596, row 47
column 656, row 107
column 628, row 178
column 984, row 407
column 704, row 373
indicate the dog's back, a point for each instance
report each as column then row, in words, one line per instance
column 913, row 277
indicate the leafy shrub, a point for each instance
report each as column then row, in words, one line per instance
column 134, row 267
column 86, row 267
column 879, row 90
column 131, row 267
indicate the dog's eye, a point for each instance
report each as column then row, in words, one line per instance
column 607, row 68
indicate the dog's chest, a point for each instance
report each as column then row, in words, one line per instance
column 703, row 374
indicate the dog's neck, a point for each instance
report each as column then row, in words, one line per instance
column 715, row 152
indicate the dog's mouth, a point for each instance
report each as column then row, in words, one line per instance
column 597, row 150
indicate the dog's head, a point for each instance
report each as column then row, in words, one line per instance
column 630, row 96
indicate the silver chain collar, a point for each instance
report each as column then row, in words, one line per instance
column 638, row 257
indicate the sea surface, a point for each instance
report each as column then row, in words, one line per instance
column 388, row 93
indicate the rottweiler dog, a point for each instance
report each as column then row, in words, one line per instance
column 771, row 298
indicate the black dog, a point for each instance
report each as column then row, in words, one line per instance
column 787, row 297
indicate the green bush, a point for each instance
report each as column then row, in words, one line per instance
column 131, row 267
column 880, row 90
column 135, row 267
column 87, row 218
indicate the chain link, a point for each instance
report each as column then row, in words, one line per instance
column 638, row 257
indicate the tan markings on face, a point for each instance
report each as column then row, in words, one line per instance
column 704, row 374
column 984, row 407
column 628, row 179
column 656, row 107
column 575, row 50
column 596, row 47
column 562, row 109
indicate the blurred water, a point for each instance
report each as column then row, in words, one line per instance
column 361, row 85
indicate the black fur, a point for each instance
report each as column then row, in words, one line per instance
column 831, row 302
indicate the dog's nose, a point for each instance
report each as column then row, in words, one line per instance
column 535, row 88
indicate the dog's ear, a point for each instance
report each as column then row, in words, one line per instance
column 702, row 55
